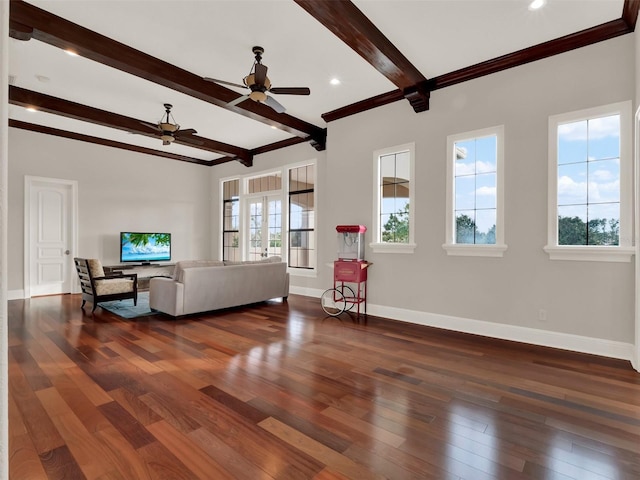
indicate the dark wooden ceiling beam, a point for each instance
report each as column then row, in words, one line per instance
column 606, row 31
column 19, row 31
column 67, row 35
column 57, row 106
column 351, row 26
column 630, row 13
column 363, row 105
column 32, row 127
column 277, row 145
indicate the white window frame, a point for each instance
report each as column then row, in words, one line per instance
column 377, row 245
column 284, row 194
column 466, row 249
column 614, row 253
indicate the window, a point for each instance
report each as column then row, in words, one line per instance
column 394, row 211
column 590, row 184
column 269, row 214
column 474, row 203
column 302, row 217
column 231, row 219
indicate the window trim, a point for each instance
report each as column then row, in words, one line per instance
column 377, row 245
column 466, row 249
column 596, row 253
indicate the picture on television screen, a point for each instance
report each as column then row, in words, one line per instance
column 145, row 247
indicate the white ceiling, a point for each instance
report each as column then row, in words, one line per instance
column 214, row 38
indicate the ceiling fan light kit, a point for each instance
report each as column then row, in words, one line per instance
column 166, row 138
column 258, row 96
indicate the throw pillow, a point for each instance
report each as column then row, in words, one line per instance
column 95, row 267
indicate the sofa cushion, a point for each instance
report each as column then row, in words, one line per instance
column 178, row 272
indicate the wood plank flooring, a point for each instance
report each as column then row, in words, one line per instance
column 279, row 391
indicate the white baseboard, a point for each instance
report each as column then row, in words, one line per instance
column 544, row 338
column 15, row 294
column 307, row 292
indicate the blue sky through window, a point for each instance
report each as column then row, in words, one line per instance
column 589, row 168
column 475, row 181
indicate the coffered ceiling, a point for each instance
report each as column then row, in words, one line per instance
column 136, row 55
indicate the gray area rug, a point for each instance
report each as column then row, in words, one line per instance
column 126, row 308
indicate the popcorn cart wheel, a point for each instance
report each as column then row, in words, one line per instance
column 337, row 300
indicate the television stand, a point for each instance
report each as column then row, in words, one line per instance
column 145, row 271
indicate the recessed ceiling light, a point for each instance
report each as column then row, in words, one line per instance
column 72, row 53
column 32, row 109
column 537, row 4
column 335, row 81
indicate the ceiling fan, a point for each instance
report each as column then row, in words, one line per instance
column 168, row 130
column 259, row 84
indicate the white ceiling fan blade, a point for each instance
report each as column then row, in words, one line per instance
column 223, row 82
column 238, row 100
column 273, row 103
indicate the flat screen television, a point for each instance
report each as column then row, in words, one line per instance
column 145, row 247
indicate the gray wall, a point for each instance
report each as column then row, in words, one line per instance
column 593, row 299
column 117, row 191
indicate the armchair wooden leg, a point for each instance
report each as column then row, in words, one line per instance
column 83, row 302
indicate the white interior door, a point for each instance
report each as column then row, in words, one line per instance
column 265, row 227
column 50, row 235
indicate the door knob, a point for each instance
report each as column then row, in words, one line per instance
column 67, row 252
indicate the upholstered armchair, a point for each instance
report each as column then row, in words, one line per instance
column 98, row 287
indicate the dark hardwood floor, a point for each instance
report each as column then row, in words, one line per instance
column 278, row 391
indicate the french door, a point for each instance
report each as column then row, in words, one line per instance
column 265, row 227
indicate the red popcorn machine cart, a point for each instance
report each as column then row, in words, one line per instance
column 349, row 273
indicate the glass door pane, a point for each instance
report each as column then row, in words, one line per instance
column 274, row 227
column 256, row 221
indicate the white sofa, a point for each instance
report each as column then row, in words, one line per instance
column 204, row 285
